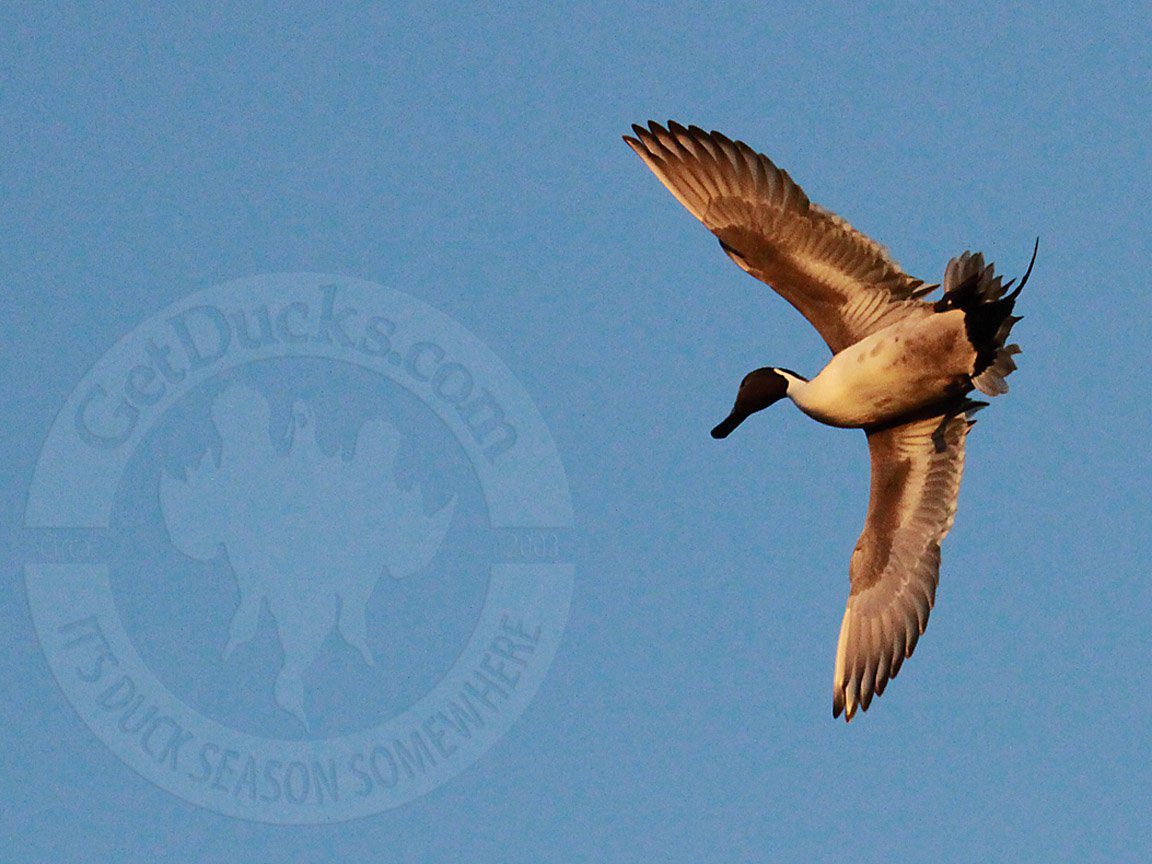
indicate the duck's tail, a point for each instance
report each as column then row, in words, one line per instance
column 973, row 287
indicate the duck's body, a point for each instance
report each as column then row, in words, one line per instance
column 908, row 366
column 902, row 369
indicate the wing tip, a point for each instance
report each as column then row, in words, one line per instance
column 637, row 146
column 845, row 706
column 679, row 132
column 843, row 693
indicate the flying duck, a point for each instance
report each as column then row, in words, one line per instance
column 902, row 367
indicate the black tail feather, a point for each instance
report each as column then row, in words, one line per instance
column 972, row 287
column 1027, row 273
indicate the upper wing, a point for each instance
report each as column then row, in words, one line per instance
column 916, row 470
column 844, row 283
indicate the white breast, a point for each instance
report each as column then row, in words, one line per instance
column 889, row 374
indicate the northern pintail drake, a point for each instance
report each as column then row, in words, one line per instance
column 902, row 368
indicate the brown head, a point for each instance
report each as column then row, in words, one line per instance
column 758, row 390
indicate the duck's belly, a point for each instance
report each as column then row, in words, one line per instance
column 903, row 368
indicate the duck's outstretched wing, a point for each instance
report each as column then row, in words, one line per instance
column 844, row 283
column 916, row 470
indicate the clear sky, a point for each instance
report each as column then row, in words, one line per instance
column 469, row 156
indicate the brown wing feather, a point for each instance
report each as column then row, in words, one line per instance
column 916, row 470
column 844, row 283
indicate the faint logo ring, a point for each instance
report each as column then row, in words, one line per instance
column 308, row 780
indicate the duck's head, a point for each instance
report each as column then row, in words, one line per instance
column 759, row 389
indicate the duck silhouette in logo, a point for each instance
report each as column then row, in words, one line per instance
column 307, row 533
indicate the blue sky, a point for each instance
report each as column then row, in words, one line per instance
column 470, row 157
